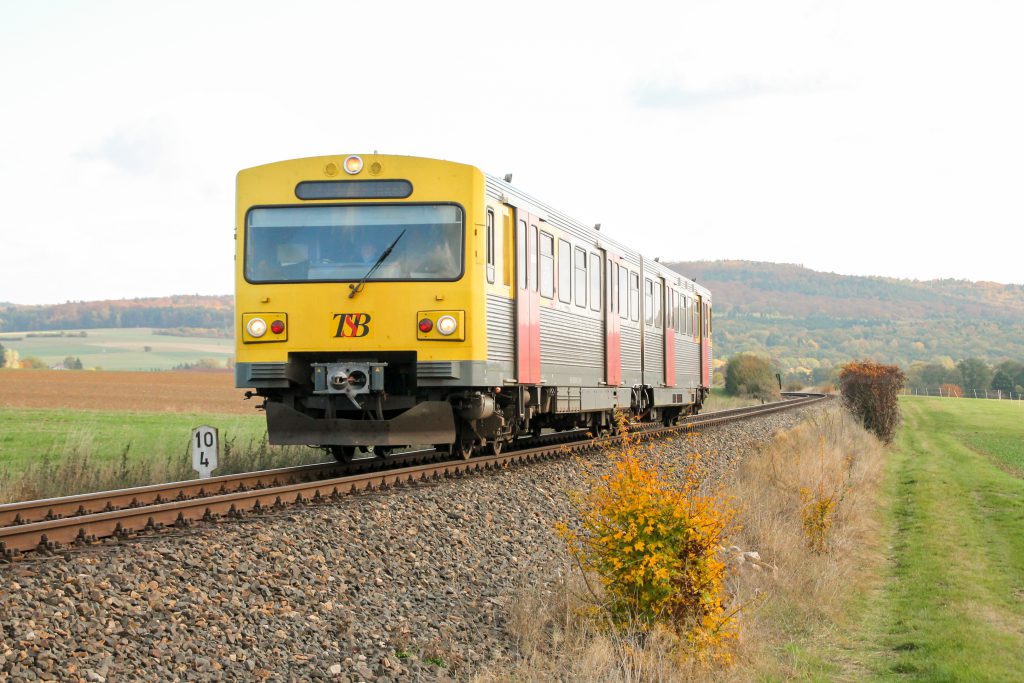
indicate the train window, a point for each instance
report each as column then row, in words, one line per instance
column 648, row 301
column 341, row 243
column 623, row 292
column 610, row 280
column 506, row 249
column 580, row 267
column 634, row 296
column 657, row 305
column 531, row 274
column 564, row 271
column 595, row 282
column 490, row 245
column 670, row 309
column 711, row 324
column 547, row 265
column 521, row 265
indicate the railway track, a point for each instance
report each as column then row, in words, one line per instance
column 56, row 522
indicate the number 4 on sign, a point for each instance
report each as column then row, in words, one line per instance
column 205, row 447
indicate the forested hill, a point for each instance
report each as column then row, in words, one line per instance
column 190, row 311
column 800, row 315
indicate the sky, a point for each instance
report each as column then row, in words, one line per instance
column 866, row 138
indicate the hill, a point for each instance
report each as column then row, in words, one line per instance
column 808, row 319
column 188, row 311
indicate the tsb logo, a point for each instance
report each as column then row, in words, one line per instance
column 352, row 324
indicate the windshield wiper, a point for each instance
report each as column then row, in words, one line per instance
column 358, row 287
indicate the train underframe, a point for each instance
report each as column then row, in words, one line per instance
column 374, row 403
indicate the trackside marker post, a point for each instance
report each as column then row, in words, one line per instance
column 205, row 448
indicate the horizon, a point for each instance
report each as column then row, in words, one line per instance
column 664, row 262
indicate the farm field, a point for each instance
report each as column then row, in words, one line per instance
column 953, row 601
column 120, row 349
column 76, row 431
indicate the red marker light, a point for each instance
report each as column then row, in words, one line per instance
column 277, row 327
column 426, row 325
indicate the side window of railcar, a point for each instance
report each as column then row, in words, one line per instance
column 564, row 271
column 657, row 305
column 634, row 296
column 623, row 292
column 670, row 309
column 547, row 266
column 490, row 246
column 532, row 255
column 648, row 301
column 506, row 249
column 595, row 282
column 580, row 266
column 521, row 265
column 611, row 279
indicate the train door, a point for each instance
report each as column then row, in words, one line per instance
column 702, row 340
column 527, row 300
column 612, row 326
column 671, row 315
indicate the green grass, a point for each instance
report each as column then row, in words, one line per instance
column 59, row 452
column 121, row 349
column 953, row 606
column 719, row 400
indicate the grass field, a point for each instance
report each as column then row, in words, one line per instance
column 121, row 349
column 953, row 604
column 72, row 432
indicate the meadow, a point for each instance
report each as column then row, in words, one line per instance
column 120, row 349
column 73, row 432
column 953, row 598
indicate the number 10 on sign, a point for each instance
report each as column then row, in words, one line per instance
column 205, row 447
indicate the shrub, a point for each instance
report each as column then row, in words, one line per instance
column 653, row 546
column 951, row 390
column 870, row 391
column 752, row 375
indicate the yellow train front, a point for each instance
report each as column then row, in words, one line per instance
column 387, row 301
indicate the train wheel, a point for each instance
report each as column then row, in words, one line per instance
column 464, row 449
column 343, row 453
column 494, row 447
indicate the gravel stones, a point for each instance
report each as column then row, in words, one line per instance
column 397, row 585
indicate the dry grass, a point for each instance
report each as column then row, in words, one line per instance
column 796, row 608
column 78, row 470
column 792, row 603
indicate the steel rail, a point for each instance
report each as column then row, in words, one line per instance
column 170, row 505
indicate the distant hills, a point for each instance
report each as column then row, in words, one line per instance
column 189, row 311
column 806, row 319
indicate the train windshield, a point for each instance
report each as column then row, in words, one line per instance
column 340, row 243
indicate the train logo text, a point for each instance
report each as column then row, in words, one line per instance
column 352, row 324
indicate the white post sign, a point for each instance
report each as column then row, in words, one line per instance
column 205, row 447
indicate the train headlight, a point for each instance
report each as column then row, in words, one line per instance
column 353, row 165
column 257, row 327
column 446, row 325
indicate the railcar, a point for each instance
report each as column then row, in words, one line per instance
column 385, row 301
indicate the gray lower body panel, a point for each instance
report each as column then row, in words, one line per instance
column 430, row 422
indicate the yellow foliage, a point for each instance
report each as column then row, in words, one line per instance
column 653, row 544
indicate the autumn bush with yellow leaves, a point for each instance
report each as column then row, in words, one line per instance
column 651, row 538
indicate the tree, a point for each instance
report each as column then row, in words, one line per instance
column 752, row 375
column 72, row 363
column 974, row 374
column 1002, row 382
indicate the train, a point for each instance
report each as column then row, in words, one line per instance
column 384, row 302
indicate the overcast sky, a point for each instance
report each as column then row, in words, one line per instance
column 870, row 138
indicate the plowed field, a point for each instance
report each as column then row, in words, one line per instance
column 178, row 392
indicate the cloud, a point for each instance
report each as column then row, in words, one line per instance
column 131, row 150
column 660, row 96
